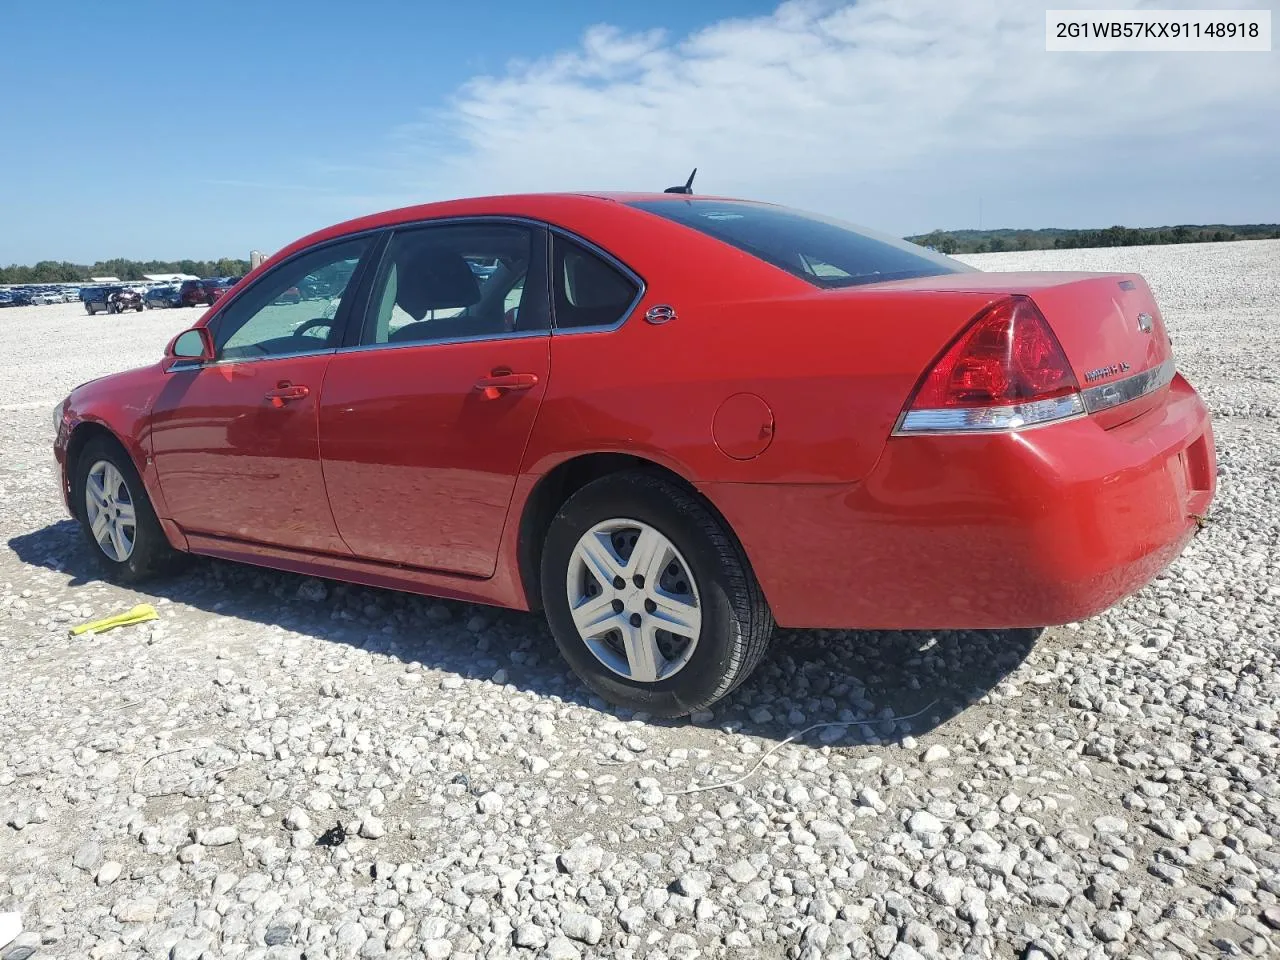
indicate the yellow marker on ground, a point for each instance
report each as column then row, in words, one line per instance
column 139, row 614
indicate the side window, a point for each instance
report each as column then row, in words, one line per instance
column 293, row 308
column 458, row 281
column 589, row 291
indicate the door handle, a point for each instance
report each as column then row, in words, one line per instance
column 495, row 383
column 285, row 391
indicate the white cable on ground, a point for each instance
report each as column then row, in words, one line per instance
column 796, row 736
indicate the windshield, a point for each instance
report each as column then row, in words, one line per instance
column 825, row 252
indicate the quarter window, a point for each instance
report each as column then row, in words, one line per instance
column 294, row 308
column 589, row 290
column 458, row 281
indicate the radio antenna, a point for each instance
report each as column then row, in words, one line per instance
column 688, row 184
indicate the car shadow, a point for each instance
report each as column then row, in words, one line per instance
column 865, row 687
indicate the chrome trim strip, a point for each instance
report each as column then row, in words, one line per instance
column 457, row 219
column 1107, row 395
column 1004, row 419
column 204, row 364
column 216, row 309
column 470, row 218
column 400, row 345
column 641, row 287
column 1037, row 413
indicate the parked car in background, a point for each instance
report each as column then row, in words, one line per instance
column 223, row 284
column 159, row 297
column 195, row 293
column 70, row 294
column 668, row 422
column 45, row 297
column 22, row 298
column 115, row 299
column 6, row 298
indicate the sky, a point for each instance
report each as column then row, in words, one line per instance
column 157, row 130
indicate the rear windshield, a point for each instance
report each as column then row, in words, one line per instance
column 827, row 253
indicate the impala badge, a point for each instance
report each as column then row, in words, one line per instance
column 1101, row 373
column 1144, row 322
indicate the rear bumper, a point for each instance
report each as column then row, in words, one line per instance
column 1026, row 529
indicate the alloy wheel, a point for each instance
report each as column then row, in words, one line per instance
column 110, row 511
column 634, row 600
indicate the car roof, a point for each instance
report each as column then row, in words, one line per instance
column 539, row 206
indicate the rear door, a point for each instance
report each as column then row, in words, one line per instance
column 424, row 418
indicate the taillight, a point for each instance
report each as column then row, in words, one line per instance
column 1005, row 371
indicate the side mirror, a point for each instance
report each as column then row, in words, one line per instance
column 193, row 344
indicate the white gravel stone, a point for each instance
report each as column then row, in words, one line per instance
column 935, row 754
column 529, row 935
column 922, row 821
column 581, row 859
column 216, row 836
column 582, row 927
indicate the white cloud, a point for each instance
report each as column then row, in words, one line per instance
column 899, row 112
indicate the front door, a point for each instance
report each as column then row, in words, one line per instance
column 234, row 441
column 424, row 421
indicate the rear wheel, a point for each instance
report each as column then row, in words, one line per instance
column 116, row 514
column 650, row 598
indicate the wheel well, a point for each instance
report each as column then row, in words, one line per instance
column 558, row 486
column 80, row 437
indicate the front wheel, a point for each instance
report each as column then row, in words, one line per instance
column 650, row 598
column 116, row 514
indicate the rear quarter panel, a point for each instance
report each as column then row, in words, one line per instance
column 834, row 367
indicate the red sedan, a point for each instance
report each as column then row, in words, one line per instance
column 668, row 421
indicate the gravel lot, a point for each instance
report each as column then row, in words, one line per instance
column 283, row 767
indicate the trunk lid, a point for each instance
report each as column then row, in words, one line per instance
column 1109, row 326
column 1108, row 323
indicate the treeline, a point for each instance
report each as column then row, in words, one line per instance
column 60, row 271
column 1053, row 238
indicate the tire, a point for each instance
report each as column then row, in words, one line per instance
column 150, row 553
column 734, row 621
column 138, row 308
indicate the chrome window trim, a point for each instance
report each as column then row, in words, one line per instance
column 641, row 287
column 1010, row 418
column 227, row 300
column 553, row 330
column 391, row 228
column 179, row 365
column 446, row 222
column 478, row 338
column 1104, row 396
